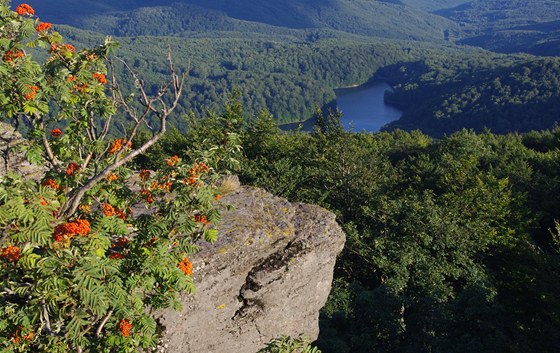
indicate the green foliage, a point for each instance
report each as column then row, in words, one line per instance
column 440, row 97
column 448, row 241
column 371, row 18
column 285, row 71
column 286, row 344
column 88, row 251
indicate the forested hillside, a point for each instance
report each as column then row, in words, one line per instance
column 371, row 18
column 510, row 25
column 288, row 75
column 288, row 56
column 519, row 96
column 429, row 5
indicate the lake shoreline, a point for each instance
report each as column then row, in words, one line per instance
column 363, row 107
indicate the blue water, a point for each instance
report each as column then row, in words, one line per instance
column 363, row 107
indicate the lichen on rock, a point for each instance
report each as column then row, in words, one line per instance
column 268, row 275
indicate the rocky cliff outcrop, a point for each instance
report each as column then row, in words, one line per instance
column 268, row 275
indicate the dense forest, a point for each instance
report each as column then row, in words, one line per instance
column 522, row 96
column 288, row 56
column 161, row 17
column 509, row 25
column 452, row 244
column 289, row 76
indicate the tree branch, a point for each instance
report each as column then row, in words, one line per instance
column 177, row 84
column 46, row 317
column 105, row 319
column 47, row 146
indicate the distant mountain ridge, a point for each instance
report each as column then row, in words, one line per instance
column 509, row 26
column 162, row 17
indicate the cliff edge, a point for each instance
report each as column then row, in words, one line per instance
column 269, row 274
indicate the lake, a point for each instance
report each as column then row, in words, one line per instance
column 363, row 107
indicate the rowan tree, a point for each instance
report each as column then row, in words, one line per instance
column 91, row 249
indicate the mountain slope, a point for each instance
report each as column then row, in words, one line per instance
column 161, row 17
column 429, row 5
column 521, row 96
column 510, row 25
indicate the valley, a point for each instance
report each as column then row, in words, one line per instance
column 449, row 199
column 288, row 56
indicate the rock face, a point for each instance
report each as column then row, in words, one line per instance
column 12, row 158
column 268, row 275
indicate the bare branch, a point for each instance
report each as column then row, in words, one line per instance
column 105, row 319
column 177, row 84
column 46, row 317
column 87, row 160
column 50, row 155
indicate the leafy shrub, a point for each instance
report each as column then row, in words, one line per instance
column 286, row 344
column 90, row 250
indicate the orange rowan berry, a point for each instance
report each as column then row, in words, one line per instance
column 11, row 253
column 144, row 174
column 24, row 9
column 43, row 26
column 118, row 145
column 56, row 132
column 31, row 91
column 100, row 77
column 148, row 194
column 92, row 57
column 83, row 227
column 201, row 219
column 15, row 336
column 12, row 54
column 112, row 177
column 68, row 230
column 108, row 210
column 50, row 183
column 125, row 326
column 185, row 266
column 55, row 47
column 120, row 214
column 72, row 168
column 171, row 161
column 166, row 187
